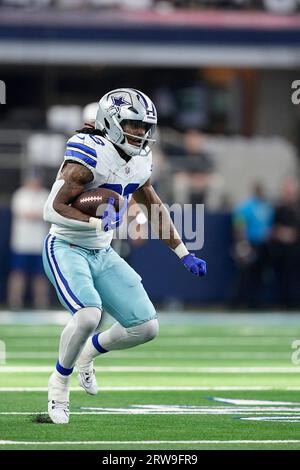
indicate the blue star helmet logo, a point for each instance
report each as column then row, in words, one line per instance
column 118, row 102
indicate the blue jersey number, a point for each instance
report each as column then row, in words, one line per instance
column 97, row 140
column 118, row 188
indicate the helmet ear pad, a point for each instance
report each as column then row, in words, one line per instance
column 116, row 132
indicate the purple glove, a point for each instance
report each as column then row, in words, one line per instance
column 195, row 265
column 110, row 218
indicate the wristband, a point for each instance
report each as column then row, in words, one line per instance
column 95, row 223
column 181, row 250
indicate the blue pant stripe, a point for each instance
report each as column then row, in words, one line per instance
column 53, row 273
column 62, row 278
column 77, row 304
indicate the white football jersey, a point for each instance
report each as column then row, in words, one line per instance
column 109, row 171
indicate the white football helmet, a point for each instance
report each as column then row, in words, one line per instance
column 120, row 106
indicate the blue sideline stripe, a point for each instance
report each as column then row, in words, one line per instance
column 57, row 285
column 62, row 370
column 97, row 345
column 62, row 278
column 83, row 147
column 82, row 156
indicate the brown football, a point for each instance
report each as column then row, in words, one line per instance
column 93, row 202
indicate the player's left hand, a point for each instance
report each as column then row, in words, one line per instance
column 112, row 219
column 195, row 265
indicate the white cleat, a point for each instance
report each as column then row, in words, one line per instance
column 87, row 381
column 58, row 411
column 58, row 399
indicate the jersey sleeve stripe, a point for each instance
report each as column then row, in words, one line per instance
column 79, row 160
column 82, row 151
column 84, row 148
column 80, row 156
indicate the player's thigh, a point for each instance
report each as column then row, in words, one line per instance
column 69, row 272
column 122, row 292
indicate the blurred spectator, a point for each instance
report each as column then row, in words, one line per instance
column 193, row 170
column 37, row 142
column 285, row 244
column 276, row 6
column 89, row 114
column 161, row 176
column 27, row 237
column 64, row 118
column 281, row 6
column 252, row 221
column 195, row 178
column 26, row 3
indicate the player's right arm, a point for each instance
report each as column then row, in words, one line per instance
column 75, row 177
column 70, row 183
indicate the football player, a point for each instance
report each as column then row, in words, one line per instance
column 87, row 273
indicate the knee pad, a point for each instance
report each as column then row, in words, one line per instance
column 145, row 332
column 88, row 318
column 151, row 329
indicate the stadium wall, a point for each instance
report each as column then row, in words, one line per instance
column 174, row 283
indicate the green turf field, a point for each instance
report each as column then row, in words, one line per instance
column 207, row 382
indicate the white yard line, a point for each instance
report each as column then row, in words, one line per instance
column 163, row 355
column 183, row 340
column 28, row 333
column 154, row 388
column 283, row 419
column 183, row 370
column 245, row 441
column 225, row 340
column 173, row 410
column 260, row 319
